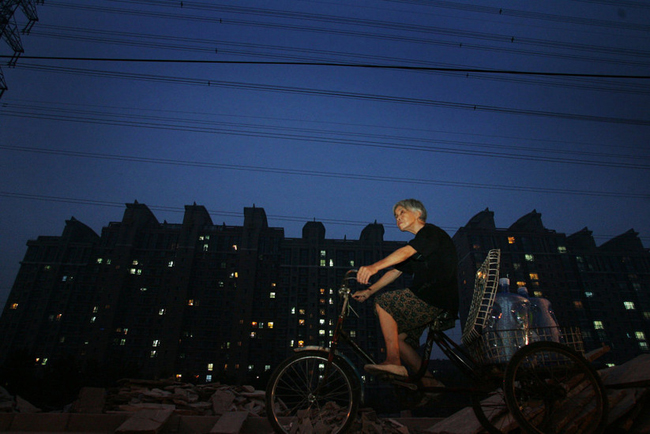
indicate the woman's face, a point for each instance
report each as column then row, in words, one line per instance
column 406, row 219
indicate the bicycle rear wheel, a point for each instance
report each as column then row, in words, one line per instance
column 552, row 389
column 305, row 392
column 492, row 411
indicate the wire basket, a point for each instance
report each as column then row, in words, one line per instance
column 498, row 346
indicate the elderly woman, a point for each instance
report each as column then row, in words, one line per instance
column 430, row 258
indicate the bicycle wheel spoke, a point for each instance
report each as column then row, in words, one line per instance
column 552, row 389
column 301, row 397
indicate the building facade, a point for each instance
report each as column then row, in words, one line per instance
column 196, row 300
column 603, row 290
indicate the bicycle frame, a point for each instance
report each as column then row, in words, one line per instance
column 457, row 355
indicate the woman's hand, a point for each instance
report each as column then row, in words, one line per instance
column 365, row 273
column 362, row 295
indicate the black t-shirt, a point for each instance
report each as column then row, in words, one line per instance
column 434, row 268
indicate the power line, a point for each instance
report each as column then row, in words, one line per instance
column 127, row 118
column 323, row 174
column 330, row 93
column 506, row 40
column 464, row 70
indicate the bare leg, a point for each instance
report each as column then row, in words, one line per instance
column 408, row 353
column 413, row 360
column 389, row 330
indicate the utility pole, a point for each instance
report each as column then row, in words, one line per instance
column 9, row 29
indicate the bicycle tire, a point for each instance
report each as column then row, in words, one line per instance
column 296, row 395
column 492, row 411
column 550, row 388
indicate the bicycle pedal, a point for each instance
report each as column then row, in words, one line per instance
column 406, row 384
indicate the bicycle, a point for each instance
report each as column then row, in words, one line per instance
column 545, row 387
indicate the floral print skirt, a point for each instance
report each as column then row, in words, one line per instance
column 411, row 313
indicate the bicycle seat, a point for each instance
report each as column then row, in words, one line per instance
column 445, row 321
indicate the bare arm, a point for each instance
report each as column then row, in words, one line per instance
column 389, row 277
column 399, row 255
column 364, row 273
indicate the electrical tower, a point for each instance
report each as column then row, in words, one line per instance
column 9, row 29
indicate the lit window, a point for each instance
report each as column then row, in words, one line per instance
column 643, row 345
column 331, row 262
column 323, row 253
column 270, row 324
column 301, row 311
column 153, row 354
column 206, row 247
column 253, row 334
column 529, row 257
column 321, row 321
column 100, row 260
column 321, row 332
column 208, row 378
column 534, row 276
column 155, row 343
column 210, row 367
column 629, row 305
column 598, row 325
column 122, row 341
column 521, row 283
column 93, row 319
column 234, row 247
column 323, row 262
column 640, row 336
column 561, row 249
column 251, row 367
column 293, row 311
column 301, row 343
column 254, row 324
column 267, row 367
column 261, row 325
column 511, row 240
column 170, row 264
column 301, row 322
column 272, row 295
column 322, row 291
column 353, row 333
column 161, row 312
column 143, row 289
column 14, row 306
column 190, row 302
column 589, row 294
column 577, row 304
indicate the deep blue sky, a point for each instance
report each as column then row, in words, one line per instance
column 338, row 144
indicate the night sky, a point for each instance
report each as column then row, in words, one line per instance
column 327, row 110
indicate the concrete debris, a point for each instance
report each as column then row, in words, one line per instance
column 212, row 399
column 628, row 394
column 15, row 404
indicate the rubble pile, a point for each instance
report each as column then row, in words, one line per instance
column 15, row 404
column 628, row 394
column 211, row 399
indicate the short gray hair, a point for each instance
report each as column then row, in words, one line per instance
column 412, row 205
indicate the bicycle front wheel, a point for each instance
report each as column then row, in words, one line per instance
column 307, row 392
column 552, row 389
